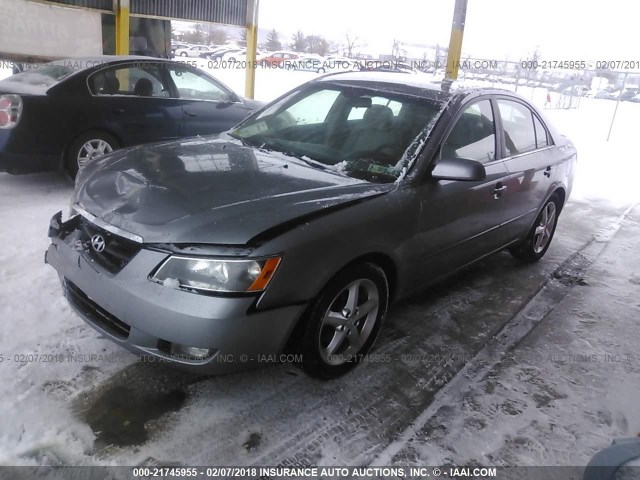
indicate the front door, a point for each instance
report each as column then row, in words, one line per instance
column 208, row 107
column 461, row 221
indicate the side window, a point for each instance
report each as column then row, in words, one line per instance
column 312, row 109
column 474, row 135
column 541, row 134
column 134, row 81
column 193, row 86
column 519, row 132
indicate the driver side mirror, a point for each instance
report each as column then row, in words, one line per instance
column 459, row 169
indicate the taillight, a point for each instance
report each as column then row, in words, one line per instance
column 10, row 110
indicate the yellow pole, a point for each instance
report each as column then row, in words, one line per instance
column 252, row 45
column 122, row 27
column 455, row 43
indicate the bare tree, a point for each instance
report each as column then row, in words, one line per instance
column 195, row 36
column 352, row 43
column 395, row 50
column 214, row 35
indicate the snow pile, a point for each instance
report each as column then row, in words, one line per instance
column 42, row 339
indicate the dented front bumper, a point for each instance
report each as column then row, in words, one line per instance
column 148, row 318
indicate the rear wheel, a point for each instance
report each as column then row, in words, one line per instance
column 537, row 242
column 344, row 321
column 87, row 147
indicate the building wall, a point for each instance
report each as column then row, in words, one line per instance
column 44, row 31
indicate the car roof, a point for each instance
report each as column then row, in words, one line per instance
column 408, row 84
column 82, row 65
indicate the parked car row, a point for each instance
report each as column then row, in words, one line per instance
column 289, row 59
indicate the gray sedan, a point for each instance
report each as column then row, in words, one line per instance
column 294, row 231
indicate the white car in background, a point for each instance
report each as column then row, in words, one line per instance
column 235, row 54
column 192, row 51
column 309, row 63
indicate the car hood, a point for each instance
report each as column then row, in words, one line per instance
column 211, row 190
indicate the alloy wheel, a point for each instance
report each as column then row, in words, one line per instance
column 544, row 230
column 348, row 322
column 92, row 149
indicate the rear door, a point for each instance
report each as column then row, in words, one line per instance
column 529, row 158
column 135, row 103
column 207, row 106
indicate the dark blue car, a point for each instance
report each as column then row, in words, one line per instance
column 63, row 114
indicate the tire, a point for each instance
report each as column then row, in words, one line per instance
column 321, row 70
column 335, row 337
column 183, row 54
column 102, row 142
column 537, row 241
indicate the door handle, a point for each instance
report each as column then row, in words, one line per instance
column 189, row 114
column 547, row 171
column 499, row 190
column 118, row 110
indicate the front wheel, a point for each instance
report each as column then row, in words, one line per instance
column 344, row 321
column 537, row 242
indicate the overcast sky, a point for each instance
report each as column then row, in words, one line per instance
column 495, row 29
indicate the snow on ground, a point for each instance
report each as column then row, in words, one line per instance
column 35, row 390
column 36, row 321
column 564, row 393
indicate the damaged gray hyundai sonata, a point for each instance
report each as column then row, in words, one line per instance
column 293, row 231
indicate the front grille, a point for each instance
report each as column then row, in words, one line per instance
column 96, row 313
column 118, row 251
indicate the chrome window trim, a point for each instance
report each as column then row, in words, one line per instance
column 106, row 226
column 548, row 147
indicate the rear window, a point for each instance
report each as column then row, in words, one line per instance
column 44, row 75
column 519, row 132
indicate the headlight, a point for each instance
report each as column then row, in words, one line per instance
column 216, row 275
